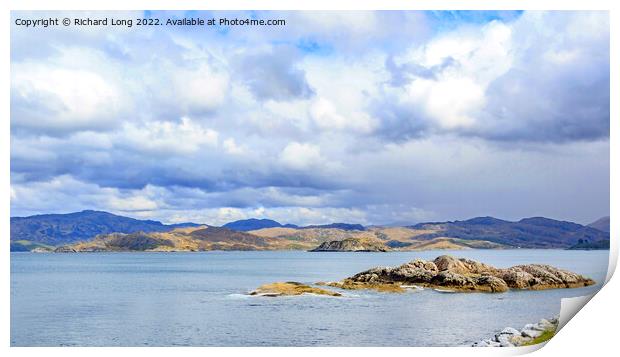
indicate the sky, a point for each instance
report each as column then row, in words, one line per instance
column 359, row 117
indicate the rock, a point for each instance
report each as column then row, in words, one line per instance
column 517, row 279
column 543, row 325
column 491, row 284
column 506, row 337
column 290, row 288
column 555, row 320
column 530, row 333
column 505, row 340
column 510, row 337
column 451, row 264
column 519, row 340
column 509, row 331
column 64, row 249
column 453, row 280
column 349, row 284
column 541, row 276
column 464, row 275
column 486, row 343
column 41, row 250
column 462, row 265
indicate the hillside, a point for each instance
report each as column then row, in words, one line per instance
column 202, row 238
column 112, row 232
column 251, row 224
column 536, row 232
column 352, row 245
column 58, row 229
column 602, row 224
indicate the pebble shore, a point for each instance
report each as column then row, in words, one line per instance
column 511, row 337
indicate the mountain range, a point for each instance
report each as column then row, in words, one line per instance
column 535, row 232
column 97, row 231
column 252, row 224
column 58, row 229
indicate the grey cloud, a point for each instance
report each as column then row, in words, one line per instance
column 398, row 121
column 406, row 72
column 273, row 74
column 556, row 90
column 408, row 169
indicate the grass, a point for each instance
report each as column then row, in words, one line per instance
column 546, row 336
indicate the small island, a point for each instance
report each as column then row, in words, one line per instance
column 352, row 245
column 290, row 288
column 449, row 274
column 461, row 274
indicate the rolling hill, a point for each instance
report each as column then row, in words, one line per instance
column 602, row 224
column 535, row 232
column 95, row 230
column 251, row 224
column 58, row 229
column 202, row 238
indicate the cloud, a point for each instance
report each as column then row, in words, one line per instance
column 326, row 117
column 273, row 74
column 168, row 138
column 301, row 156
column 201, row 89
column 558, row 86
column 132, row 204
column 369, row 117
column 504, row 81
column 231, row 147
column 59, row 99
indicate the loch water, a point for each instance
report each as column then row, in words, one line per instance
column 200, row 299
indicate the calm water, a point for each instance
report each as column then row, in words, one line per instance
column 197, row 299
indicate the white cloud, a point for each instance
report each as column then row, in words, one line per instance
column 231, row 147
column 453, row 98
column 132, row 203
column 168, row 137
column 67, row 98
column 200, row 90
column 326, row 116
column 300, row 156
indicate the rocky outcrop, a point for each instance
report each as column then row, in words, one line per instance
column 351, row 245
column 462, row 274
column 41, row 250
column 530, row 334
column 64, row 249
column 290, row 288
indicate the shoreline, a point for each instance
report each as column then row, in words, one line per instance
column 530, row 334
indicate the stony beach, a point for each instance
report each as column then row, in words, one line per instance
column 530, row 334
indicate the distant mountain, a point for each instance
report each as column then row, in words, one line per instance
column 58, row 229
column 535, row 232
column 252, row 224
column 96, row 230
column 343, row 226
column 602, row 224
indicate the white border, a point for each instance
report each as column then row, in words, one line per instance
column 591, row 332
